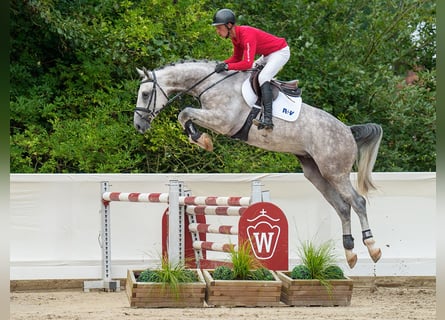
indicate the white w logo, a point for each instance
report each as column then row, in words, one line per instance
column 264, row 240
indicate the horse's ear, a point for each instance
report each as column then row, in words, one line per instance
column 144, row 74
column 141, row 73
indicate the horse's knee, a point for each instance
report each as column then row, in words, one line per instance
column 183, row 116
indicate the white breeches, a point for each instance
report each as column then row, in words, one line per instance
column 272, row 64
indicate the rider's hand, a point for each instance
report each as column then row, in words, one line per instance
column 220, row 67
column 259, row 63
column 258, row 66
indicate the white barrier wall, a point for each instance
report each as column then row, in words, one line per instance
column 55, row 221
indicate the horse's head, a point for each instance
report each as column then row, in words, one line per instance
column 151, row 99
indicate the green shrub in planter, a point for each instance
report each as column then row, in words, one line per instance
column 333, row 273
column 149, row 276
column 318, row 262
column 223, row 273
column 262, row 274
column 300, row 272
column 245, row 266
column 169, row 274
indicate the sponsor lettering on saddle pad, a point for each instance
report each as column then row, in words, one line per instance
column 284, row 107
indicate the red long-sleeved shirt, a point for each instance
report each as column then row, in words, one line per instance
column 250, row 41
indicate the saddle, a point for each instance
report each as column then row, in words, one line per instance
column 289, row 88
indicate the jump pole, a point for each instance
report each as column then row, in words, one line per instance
column 222, row 206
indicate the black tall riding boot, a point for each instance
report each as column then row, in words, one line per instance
column 266, row 98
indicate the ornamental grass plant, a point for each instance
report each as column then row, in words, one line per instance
column 318, row 262
column 318, row 280
column 170, row 275
column 244, row 282
column 245, row 266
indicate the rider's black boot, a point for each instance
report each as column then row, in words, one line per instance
column 266, row 98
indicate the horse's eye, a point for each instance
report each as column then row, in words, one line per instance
column 145, row 95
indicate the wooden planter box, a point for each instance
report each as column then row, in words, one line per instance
column 242, row 293
column 158, row 295
column 296, row 292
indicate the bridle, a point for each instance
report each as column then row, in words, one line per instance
column 152, row 113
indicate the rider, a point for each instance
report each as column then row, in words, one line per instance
column 247, row 42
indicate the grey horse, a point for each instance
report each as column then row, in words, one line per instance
column 326, row 148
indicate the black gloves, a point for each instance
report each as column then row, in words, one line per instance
column 220, row 67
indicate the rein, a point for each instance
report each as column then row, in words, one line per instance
column 153, row 113
column 221, row 80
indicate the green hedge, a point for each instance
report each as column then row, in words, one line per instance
column 73, row 79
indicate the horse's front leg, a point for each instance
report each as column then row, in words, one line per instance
column 202, row 139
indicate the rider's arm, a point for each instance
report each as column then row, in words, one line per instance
column 244, row 49
column 246, row 59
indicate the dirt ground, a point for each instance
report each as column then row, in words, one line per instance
column 375, row 302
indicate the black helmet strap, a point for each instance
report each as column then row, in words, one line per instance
column 228, row 30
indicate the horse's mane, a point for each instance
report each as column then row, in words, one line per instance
column 182, row 61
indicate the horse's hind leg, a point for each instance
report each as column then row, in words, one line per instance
column 343, row 209
column 358, row 203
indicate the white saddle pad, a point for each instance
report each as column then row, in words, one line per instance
column 284, row 107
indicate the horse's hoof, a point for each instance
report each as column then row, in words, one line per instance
column 375, row 254
column 351, row 258
column 206, row 142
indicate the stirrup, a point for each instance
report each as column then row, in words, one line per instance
column 267, row 127
column 263, row 125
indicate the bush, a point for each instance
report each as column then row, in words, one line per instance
column 300, row 272
column 245, row 266
column 333, row 272
column 262, row 274
column 149, row 276
column 223, row 273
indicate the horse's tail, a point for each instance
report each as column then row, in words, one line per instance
column 368, row 137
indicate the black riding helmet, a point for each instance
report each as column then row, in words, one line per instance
column 223, row 16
